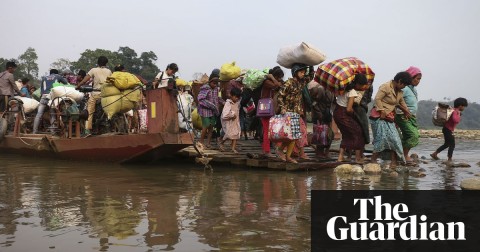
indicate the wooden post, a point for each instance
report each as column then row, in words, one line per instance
column 16, row 128
column 70, row 125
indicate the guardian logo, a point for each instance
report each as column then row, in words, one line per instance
column 394, row 224
column 439, row 221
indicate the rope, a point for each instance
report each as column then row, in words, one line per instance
column 189, row 127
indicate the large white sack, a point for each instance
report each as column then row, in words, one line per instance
column 63, row 91
column 184, row 104
column 29, row 104
column 304, row 53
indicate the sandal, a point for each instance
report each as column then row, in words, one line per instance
column 234, row 151
column 221, row 147
column 304, row 157
column 291, row 160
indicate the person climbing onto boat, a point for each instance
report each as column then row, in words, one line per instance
column 99, row 75
column 45, row 87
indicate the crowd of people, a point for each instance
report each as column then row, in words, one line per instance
column 227, row 109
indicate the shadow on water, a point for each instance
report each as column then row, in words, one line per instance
column 55, row 205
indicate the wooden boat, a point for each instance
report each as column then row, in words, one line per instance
column 162, row 139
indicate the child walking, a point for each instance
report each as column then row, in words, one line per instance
column 230, row 119
column 459, row 105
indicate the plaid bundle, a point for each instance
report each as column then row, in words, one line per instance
column 336, row 75
column 284, row 127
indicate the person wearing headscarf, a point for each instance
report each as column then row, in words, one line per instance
column 385, row 135
column 409, row 126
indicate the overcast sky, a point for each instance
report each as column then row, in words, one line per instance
column 441, row 37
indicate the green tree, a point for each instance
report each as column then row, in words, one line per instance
column 128, row 57
column 88, row 59
column 148, row 69
column 62, row 65
column 28, row 64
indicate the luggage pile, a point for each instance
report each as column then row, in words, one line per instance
column 120, row 94
column 336, row 75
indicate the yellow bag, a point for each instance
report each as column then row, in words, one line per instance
column 196, row 120
column 180, row 82
column 123, row 80
column 116, row 104
column 108, row 89
column 229, row 71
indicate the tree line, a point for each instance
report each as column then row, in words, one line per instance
column 143, row 65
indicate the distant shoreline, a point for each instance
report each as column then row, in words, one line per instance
column 459, row 134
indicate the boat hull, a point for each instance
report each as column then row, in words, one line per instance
column 105, row 148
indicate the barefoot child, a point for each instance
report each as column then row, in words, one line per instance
column 459, row 105
column 230, row 119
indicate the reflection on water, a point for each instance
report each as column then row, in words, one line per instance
column 52, row 205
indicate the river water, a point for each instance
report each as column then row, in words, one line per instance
column 55, row 205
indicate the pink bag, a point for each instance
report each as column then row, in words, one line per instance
column 284, row 128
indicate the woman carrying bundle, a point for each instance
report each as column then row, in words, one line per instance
column 352, row 133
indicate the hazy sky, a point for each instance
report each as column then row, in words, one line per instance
column 440, row 37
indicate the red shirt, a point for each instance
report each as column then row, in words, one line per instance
column 454, row 120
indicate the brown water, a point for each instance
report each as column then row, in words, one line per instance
column 52, row 205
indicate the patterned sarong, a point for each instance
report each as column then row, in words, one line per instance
column 386, row 137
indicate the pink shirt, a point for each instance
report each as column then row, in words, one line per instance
column 453, row 121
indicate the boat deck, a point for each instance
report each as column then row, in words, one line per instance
column 254, row 147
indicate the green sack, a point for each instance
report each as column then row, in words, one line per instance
column 36, row 95
column 254, row 78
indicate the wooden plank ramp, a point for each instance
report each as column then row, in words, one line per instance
column 254, row 147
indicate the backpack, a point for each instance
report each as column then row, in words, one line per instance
column 441, row 113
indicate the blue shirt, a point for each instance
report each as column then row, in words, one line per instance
column 47, row 82
column 411, row 99
column 24, row 90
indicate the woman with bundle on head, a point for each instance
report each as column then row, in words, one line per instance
column 409, row 126
column 385, row 134
column 352, row 133
column 271, row 84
